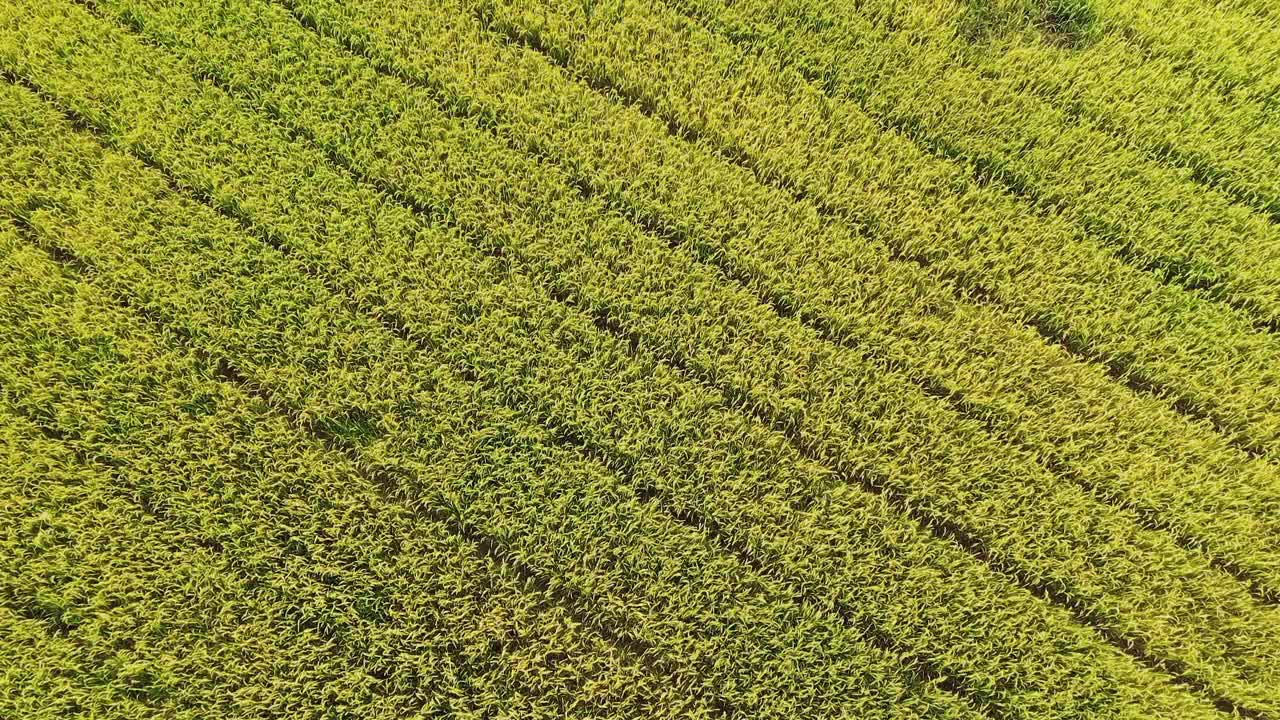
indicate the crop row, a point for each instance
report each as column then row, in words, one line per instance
column 1156, row 100
column 561, row 212
column 1125, row 446
column 249, row 569
column 1223, row 45
column 1050, row 271
column 718, row 627
column 1263, row 9
column 496, row 215
column 1157, row 217
column 1233, row 49
column 83, row 568
column 1225, row 138
column 669, row 434
column 125, row 612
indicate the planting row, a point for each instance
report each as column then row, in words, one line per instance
column 494, row 219
column 1155, row 216
column 859, row 413
column 588, row 382
column 1237, row 50
column 1126, row 447
column 188, row 553
column 1055, row 276
column 1226, row 138
column 714, row 626
column 1155, row 99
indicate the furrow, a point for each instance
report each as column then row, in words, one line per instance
column 322, row 583
column 1233, row 49
column 1157, row 103
column 1226, row 137
column 1154, row 218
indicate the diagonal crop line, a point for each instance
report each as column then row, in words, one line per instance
column 751, row 558
column 1121, row 372
column 936, row 525
column 736, row 401
column 678, row 240
column 946, row 530
column 1202, row 170
column 1163, row 154
column 1151, row 48
column 384, row 479
column 988, row 172
column 966, row 287
column 567, row 437
column 570, row 600
column 735, row 398
column 74, row 269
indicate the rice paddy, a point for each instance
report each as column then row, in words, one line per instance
column 605, row 359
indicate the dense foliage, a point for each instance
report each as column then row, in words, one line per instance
column 708, row 358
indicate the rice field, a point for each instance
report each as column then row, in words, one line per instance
column 874, row 359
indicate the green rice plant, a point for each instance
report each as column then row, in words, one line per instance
column 1231, row 50
column 1224, row 142
column 1234, row 49
column 173, row 547
column 1071, row 22
column 1155, row 217
column 1126, row 446
column 1197, row 114
column 791, row 134
column 451, row 447
column 1252, row 9
column 40, row 681
column 1197, row 65
column 281, row 222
